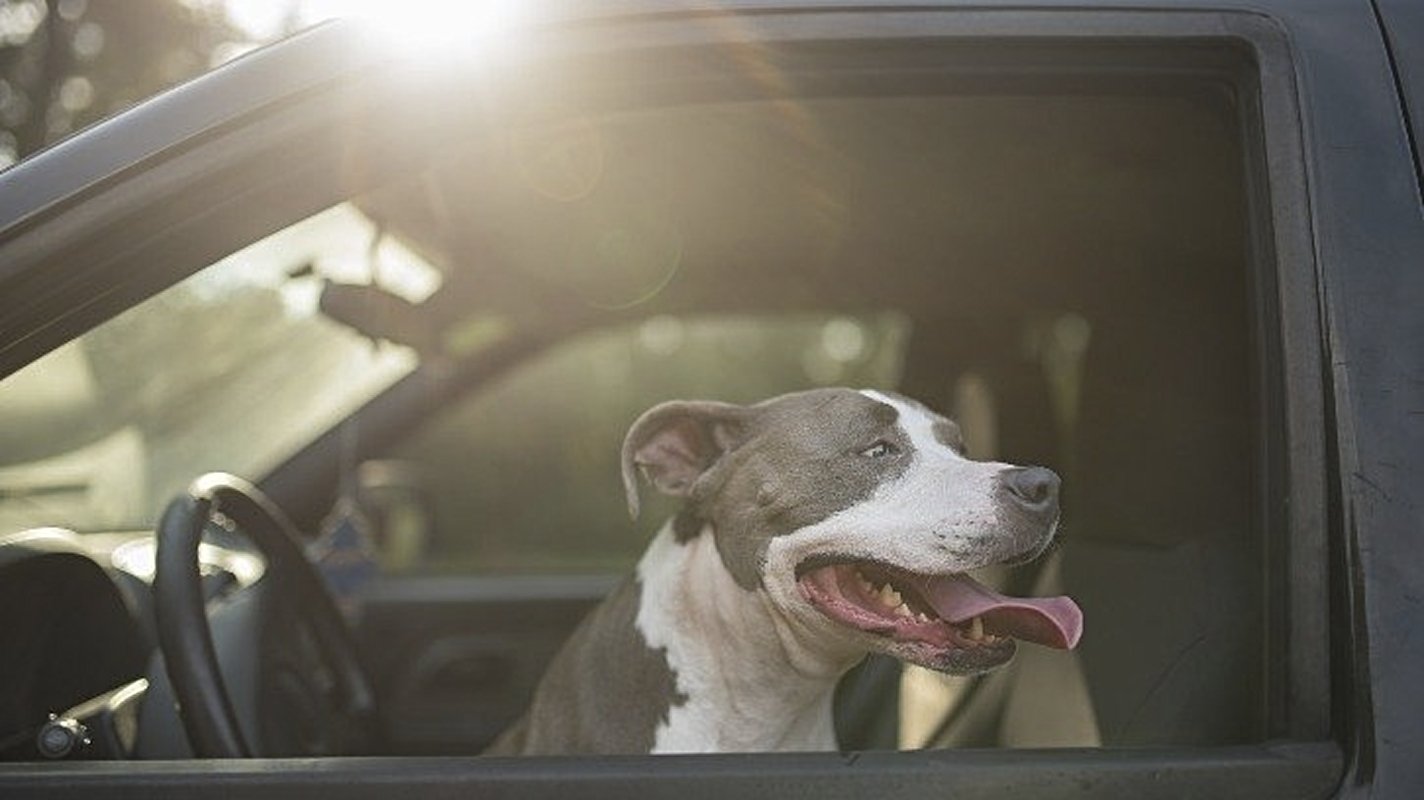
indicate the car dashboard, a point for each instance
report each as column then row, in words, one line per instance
column 78, row 653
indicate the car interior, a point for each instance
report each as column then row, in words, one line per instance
column 427, row 384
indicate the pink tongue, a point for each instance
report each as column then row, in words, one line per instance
column 1049, row 621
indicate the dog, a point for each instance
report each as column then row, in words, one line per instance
column 816, row 527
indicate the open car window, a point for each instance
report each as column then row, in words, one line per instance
column 233, row 368
column 1074, row 290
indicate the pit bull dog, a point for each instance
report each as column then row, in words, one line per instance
column 816, row 527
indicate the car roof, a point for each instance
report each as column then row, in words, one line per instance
column 101, row 152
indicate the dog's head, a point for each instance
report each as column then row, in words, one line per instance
column 858, row 514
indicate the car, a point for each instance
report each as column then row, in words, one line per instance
column 315, row 371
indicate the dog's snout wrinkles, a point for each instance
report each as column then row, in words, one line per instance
column 1033, row 489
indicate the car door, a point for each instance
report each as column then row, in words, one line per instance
column 96, row 224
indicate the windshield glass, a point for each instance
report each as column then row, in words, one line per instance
column 234, row 368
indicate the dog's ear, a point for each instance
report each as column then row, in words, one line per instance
column 675, row 442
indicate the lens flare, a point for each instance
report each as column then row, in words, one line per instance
column 424, row 25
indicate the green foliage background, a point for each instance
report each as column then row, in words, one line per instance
column 65, row 64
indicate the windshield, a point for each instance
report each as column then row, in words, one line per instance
column 233, row 369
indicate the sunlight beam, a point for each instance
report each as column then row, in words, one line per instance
column 423, row 25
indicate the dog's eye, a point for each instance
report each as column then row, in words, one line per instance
column 880, row 449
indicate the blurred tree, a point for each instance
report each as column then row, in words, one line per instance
column 67, row 63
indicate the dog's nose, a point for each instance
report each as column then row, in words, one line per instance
column 1034, row 489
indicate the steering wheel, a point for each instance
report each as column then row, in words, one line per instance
column 185, row 637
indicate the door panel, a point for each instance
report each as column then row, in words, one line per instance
column 454, row 660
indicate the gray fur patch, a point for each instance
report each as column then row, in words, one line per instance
column 946, row 431
column 801, row 458
column 948, row 434
column 603, row 693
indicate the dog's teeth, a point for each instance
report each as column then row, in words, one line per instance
column 903, row 610
column 922, row 617
column 976, row 629
column 889, row 597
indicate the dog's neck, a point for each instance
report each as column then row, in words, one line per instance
column 751, row 678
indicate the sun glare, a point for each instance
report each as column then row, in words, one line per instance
column 423, row 24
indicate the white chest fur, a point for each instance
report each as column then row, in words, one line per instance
column 749, row 682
